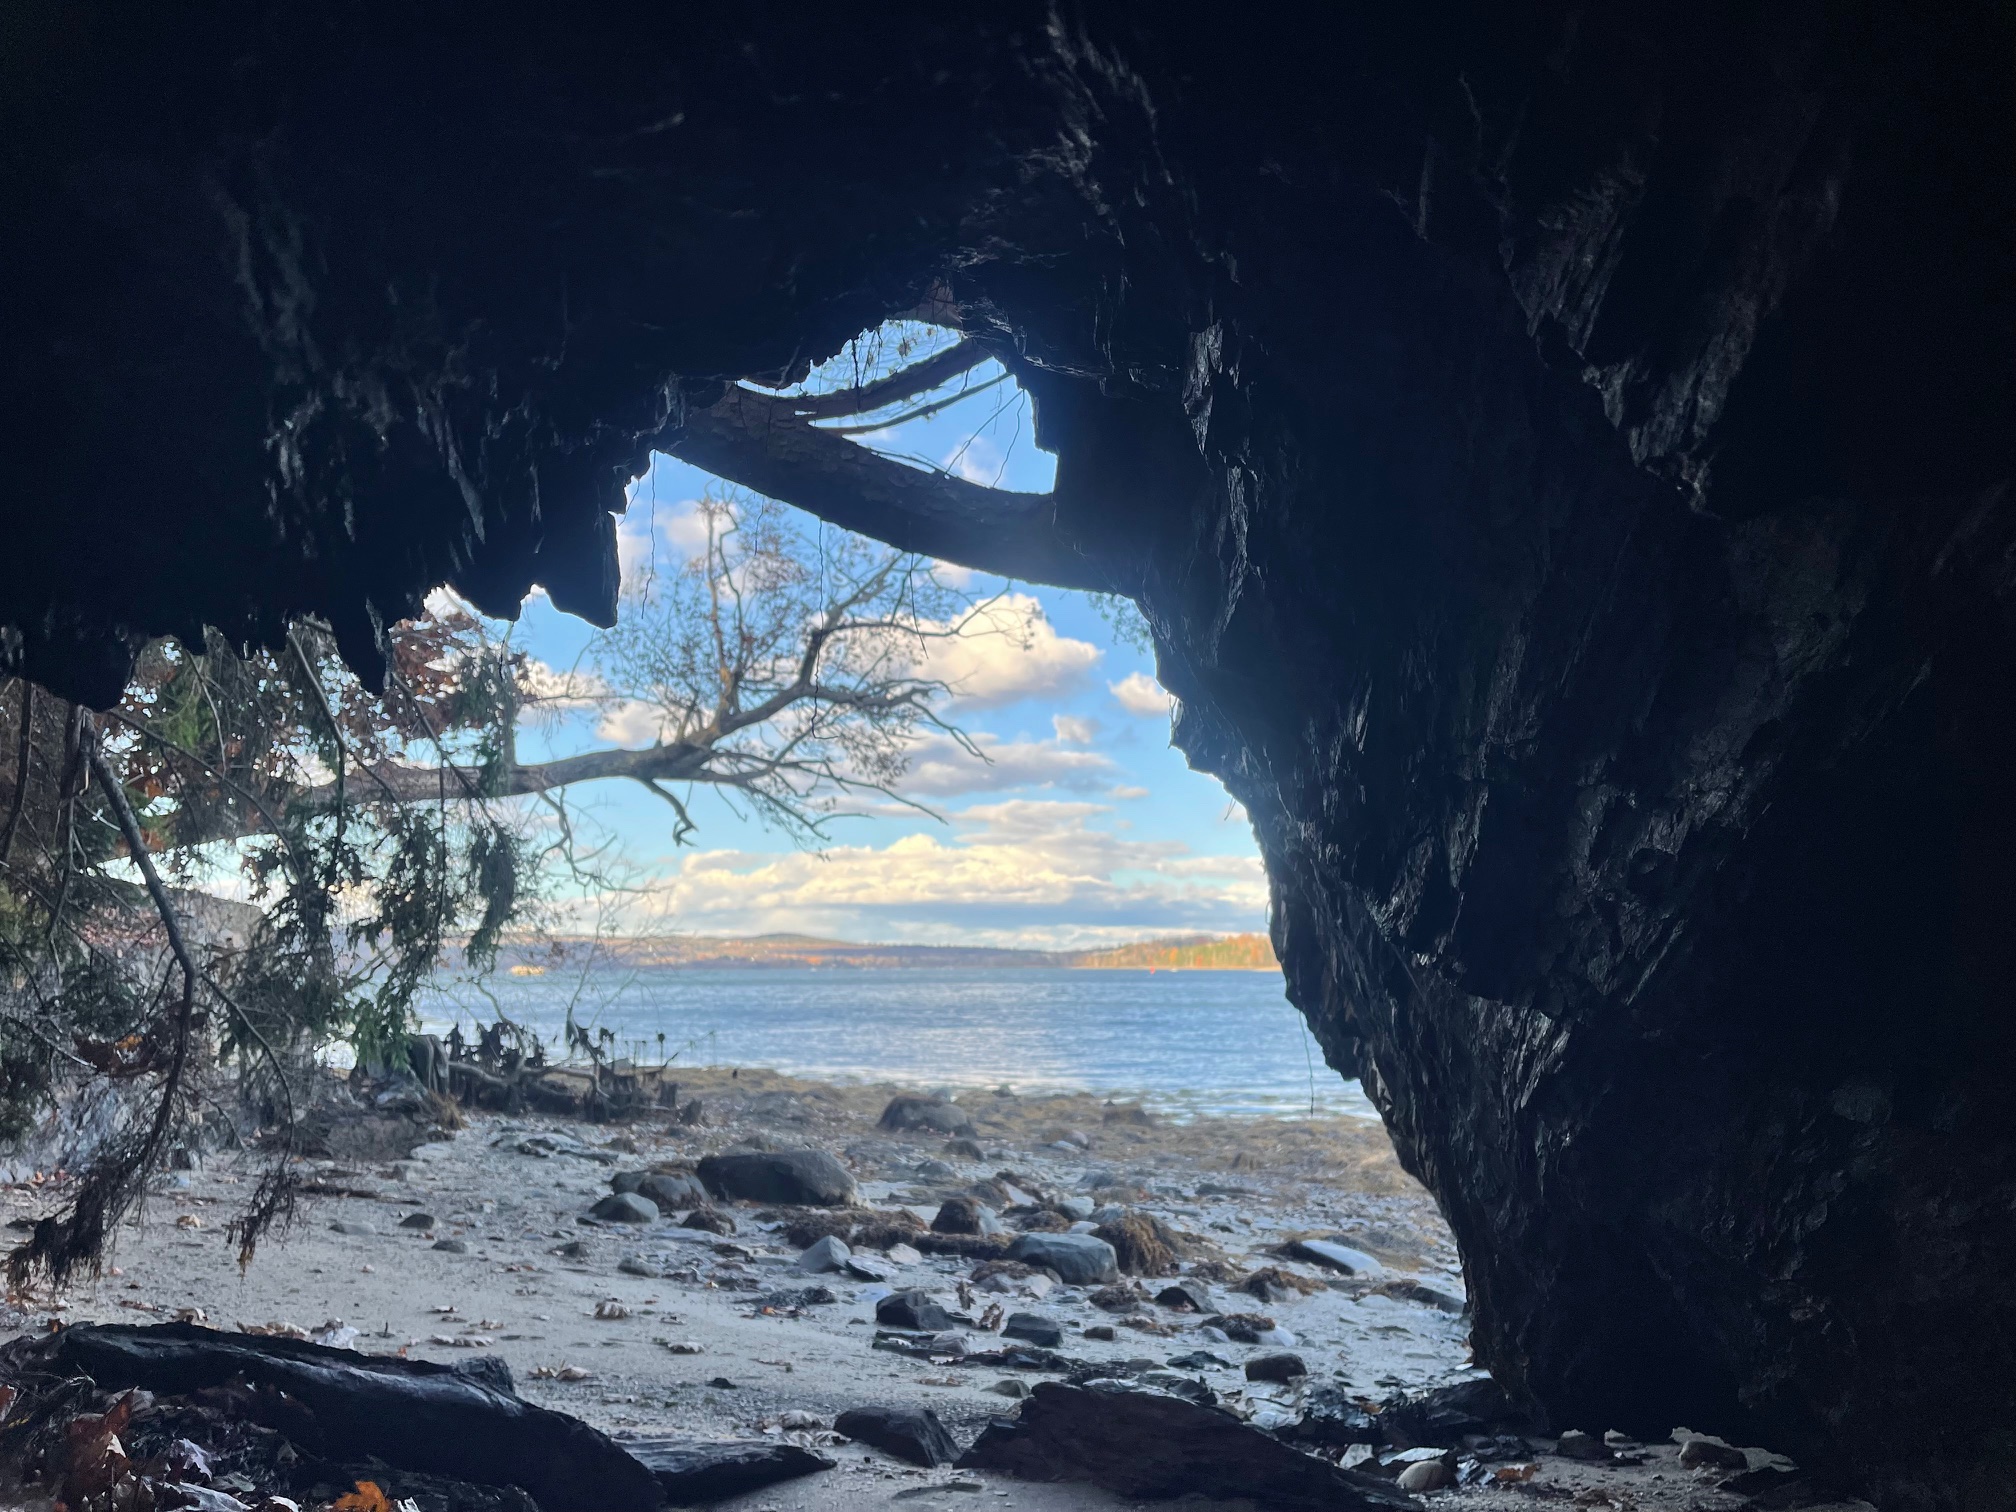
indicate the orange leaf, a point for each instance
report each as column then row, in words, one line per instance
column 366, row 1498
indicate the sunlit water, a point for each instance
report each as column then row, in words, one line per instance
column 1187, row 1042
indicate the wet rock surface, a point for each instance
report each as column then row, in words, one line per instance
column 909, row 1433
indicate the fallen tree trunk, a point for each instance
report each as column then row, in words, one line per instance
column 409, row 1413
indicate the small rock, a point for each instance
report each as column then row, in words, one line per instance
column 957, row 1215
column 913, row 1312
column 345, row 1226
column 684, row 1346
column 868, row 1267
column 1703, row 1451
column 935, row 1170
column 933, row 1114
column 1078, row 1259
column 1280, row 1338
column 1077, row 1209
column 417, row 1221
column 964, row 1149
column 1185, row 1296
column 1575, row 1444
column 1105, row 1333
column 829, row 1254
column 638, row 1265
column 451, row 1246
column 903, row 1254
column 1010, row 1387
column 625, row 1207
column 798, row 1420
column 708, row 1220
column 1338, row 1257
column 1425, row 1475
column 573, row 1249
column 673, row 1191
column 950, row 1343
column 1196, row 1359
column 1281, row 1367
column 1034, row 1328
column 909, row 1433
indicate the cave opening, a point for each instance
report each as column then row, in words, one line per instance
column 1560, row 461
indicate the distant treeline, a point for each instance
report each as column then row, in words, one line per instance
column 1242, row 952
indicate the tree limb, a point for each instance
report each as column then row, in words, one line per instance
column 918, row 378
column 761, row 442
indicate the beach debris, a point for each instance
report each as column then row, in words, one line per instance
column 1077, row 1259
column 683, row 1346
column 561, row 1373
column 411, row 1415
column 1150, row 1444
column 1142, row 1244
column 609, row 1310
column 803, row 1178
column 909, row 1433
column 545, row 1146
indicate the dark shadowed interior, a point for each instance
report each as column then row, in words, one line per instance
column 1563, row 455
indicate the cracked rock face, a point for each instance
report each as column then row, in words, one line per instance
column 1564, row 458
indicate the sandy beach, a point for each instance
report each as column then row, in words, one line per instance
column 476, row 1244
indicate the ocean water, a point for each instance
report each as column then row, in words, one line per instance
column 1186, row 1042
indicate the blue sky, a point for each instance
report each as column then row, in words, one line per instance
column 1086, row 827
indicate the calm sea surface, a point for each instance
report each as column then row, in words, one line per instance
column 1187, row 1042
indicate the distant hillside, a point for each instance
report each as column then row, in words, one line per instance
column 1243, row 952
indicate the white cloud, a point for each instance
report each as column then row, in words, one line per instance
column 658, row 536
column 941, row 768
column 1076, row 729
column 1023, row 871
column 1130, row 792
column 1140, row 694
column 1012, row 652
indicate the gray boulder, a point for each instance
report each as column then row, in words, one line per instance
column 625, row 1207
column 1034, row 1328
column 933, row 1114
column 801, row 1178
column 828, row 1254
column 913, row 1312
column 1078, row 1259
column 673, row 1190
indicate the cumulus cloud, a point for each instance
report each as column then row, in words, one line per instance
column 1074, row 728
column 941, row 768
column 1025, row 871
column 1012, row 653
column 1140, row 694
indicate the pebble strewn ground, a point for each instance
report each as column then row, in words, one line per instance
column 695, row 1350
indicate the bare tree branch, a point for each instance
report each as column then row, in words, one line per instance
column 906, row 383
column 763, row 443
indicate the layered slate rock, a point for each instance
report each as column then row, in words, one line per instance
column 1150, row 1445
column 1564, row 460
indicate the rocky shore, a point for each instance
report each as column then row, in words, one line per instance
column 875, row 1275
